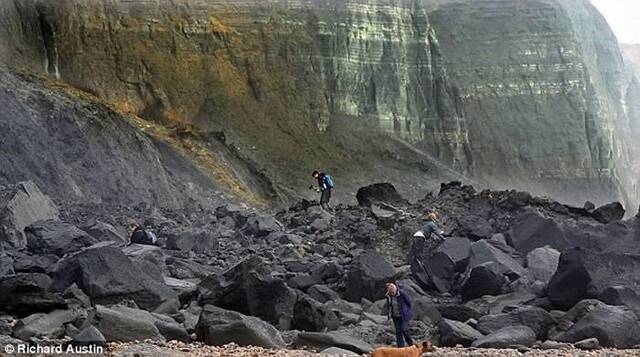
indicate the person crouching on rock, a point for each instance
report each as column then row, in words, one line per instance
column 325, row 185
column 430, row 229
column 398, row 308
column 140, row 236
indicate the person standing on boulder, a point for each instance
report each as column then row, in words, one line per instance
column 325, row 185
column 398, row 308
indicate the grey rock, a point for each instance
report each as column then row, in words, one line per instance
column 104, row 232
column 379, row 193
column 322, row 293
column 621, row 295
column 542, row 263
column 609, row 213
column 262, row 225
column 534, row 231
column 196, row 241
column 459, row 312
column 458, row 250
column 367, row 276
column 106, row 275
column 56, row 237
column 454, row 333
column 6, row 265
column 311, row 315
column 586, row 274
column 485, row 251
column 27, row 293
column 245, row 287
column 613, row 326
column 36, row 263
column 588, row 344
column 89, row 336
column 218, row 327
column 507, row 337
column 319, row 341
column 539, row 320
column 49, row 325
column 483, row 279
column 20, row 206
column 121, row 324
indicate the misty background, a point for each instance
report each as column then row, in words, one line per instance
column 623, row 17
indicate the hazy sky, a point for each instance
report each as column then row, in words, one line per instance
column 623, row 16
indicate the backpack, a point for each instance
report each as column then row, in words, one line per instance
column 328, row 180
column 151, row 237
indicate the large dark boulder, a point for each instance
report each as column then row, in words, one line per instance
column 249, row 288
column 435, row 271
column 104, row 232
column 609, row 213
column 486, row 251
column 21, row 205
column 458, row 312
column 506, row 337
column 218, row 327
column 539, row 320
column 533, row 231
column 458, row 250
column 584, row 274
column 56, row 237
column 379, row 193
column 367, row 276
column 262, row 225
column 35, row 263
column 613, row 326
column 28, row 293
column 454, row 332
column 311, row 315
column 322, row 293
column 106, row 275
column 484, row 279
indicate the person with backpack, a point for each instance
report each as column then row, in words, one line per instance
column 141, row 236
column 325, row 185
column 398, row 309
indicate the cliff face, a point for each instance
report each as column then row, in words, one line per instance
column 541, row 96
column 509, row 92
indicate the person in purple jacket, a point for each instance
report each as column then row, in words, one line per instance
column 398, row 308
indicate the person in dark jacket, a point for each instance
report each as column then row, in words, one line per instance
column 139, row 235
column 398, row 308
column 324, row 188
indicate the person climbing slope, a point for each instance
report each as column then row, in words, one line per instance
column 325, row 185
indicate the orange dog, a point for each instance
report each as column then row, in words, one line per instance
column 412, row 351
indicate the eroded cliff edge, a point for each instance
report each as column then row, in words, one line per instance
column 509, row 93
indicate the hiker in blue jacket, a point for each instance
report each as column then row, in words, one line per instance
column 398, row 308
column 325, row 185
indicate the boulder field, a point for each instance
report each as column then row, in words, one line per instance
column 513, row 270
